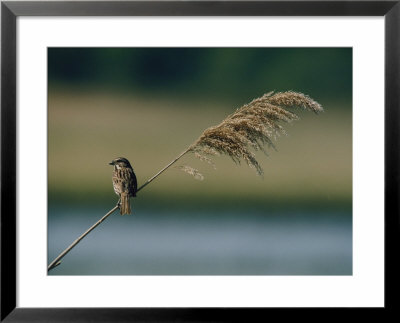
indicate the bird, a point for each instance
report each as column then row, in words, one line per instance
column 124, row 183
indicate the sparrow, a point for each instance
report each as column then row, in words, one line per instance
column 124, row 182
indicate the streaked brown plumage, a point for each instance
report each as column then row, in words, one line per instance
column 124, row 182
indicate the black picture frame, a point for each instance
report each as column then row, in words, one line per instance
column 11, row 10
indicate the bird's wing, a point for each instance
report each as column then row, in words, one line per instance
column 134, row 183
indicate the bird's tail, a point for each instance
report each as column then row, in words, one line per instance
column 125, row 205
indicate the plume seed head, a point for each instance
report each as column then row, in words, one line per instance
column 252, row 127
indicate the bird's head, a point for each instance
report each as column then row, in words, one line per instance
column 120, row 162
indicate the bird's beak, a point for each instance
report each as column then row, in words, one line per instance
column 111, row 163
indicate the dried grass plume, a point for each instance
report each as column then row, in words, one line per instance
column 252, row 127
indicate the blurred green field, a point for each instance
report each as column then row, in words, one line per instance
column 87, row 129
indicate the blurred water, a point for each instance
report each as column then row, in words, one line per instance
column 166, row 243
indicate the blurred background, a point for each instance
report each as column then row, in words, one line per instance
column 148, row 105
